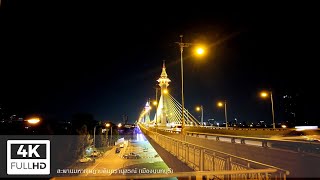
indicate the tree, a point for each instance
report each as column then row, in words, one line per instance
column 83, row 140
column 101, row 139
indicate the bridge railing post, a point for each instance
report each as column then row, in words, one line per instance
column 201, row 159
column 185, row 152
column 265, row 144
column 228, row 167
column 213, row 162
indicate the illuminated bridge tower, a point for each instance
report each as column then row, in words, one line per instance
column 163, row 81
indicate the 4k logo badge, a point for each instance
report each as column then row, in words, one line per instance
column 26, row 157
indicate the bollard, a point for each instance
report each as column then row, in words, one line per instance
column 243, row 141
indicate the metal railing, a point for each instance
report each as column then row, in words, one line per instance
column 201, row 158
column 291, row 145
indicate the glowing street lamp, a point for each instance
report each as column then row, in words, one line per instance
column 200, row 108
column 154, row 103
column 109, row 125
column 33, row 121
column 265, row 94
column 224, row 104
column 199, row 52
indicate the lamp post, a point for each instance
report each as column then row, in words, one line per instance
column 265, row 94
column 221, row 104
column 109, row 125
column 183, row 45
column 94, row 137
column 155, row 103
column 200, row 109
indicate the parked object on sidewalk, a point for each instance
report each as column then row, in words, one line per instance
column 85, row 159
column 131, row 156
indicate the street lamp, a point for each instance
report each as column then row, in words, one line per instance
column 109, row 125
column 155, row 103
column 33, row 121
column 200, row 109
column 265, row 94
column 94, row 136
column 200, row 51
column 224, row 104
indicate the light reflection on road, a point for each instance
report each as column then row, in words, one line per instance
column 113, row 163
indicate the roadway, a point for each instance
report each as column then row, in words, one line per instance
column 112, row 163
column 300, row 164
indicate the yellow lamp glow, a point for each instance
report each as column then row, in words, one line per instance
column 264, row 94
column 200, row 51
column 33, row 120
column 155, row 103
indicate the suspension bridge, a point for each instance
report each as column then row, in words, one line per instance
column 168, row 111
column 202, row 152
column 199, row 146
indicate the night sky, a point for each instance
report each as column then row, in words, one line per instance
column 59, row 58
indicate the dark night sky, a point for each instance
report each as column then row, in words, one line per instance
column 59, row 58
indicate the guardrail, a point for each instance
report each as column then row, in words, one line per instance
column 292, row 145
column 247, row 128
column 240, row 131
column 298, row 146
column 203, row 159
